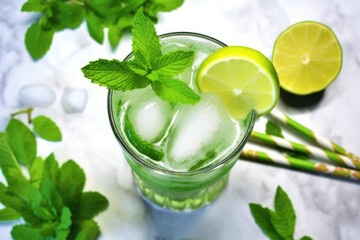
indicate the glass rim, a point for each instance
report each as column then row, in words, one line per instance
column 126, row 147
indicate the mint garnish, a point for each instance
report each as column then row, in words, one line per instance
column 49, row 198
column 278, row 224
column 149, row 66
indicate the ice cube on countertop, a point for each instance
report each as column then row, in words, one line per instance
column 74, row 100
column 200, row 131
column 150, row 116
column 36, row 95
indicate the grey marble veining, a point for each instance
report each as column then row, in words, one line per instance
column 326, row 208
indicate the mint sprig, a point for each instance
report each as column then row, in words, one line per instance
column 115, row 15
column 277, row 224
column 51, row 200
column 149, row 66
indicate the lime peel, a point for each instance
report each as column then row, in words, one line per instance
column 308, row 57
column 243, row 78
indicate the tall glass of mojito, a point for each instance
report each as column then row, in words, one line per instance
column 180, row 155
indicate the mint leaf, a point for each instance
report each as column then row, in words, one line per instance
column 137, row 67
column 95, row 27
column 51, row 197
column 90, row 205
column 63, row 229
column 114, row 75
column 263, row 220
column 22, row 141
column 283, row 218
column 68, row 15
column 8, row 164
column 273, row 129
column 174, row 91
column 36, row 172
column 51, row 168
column 24, row 231
column 153, row 7
column 38, row 40
column 147, row 65
column 46, row 128
column 141, row 145
column 172, row 63
column 11, row 201
column 87, row 230
column 71, row 191
column 116, row 30
column 9, row 214
column 34, row 6
column 145, row 40
column 306, row 238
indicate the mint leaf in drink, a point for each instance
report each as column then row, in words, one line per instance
column 38, row 40
column 174, row 91
column 115, row 75
column 145, row 40
column 172, row 63
column 273, row 129
column 46, row 129
column 263, row 220
column 147, row 65
column 283, row 218
column 141, row 145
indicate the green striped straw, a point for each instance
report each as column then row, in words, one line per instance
column 300, row 164
column 306, row 132
column 305, row 149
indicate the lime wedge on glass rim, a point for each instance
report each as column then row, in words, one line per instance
column 243, row 78
column 307, row 57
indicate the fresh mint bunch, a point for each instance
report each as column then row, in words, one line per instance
column 114, row 15
column 49, row 198
column 148, row 67
column 277, row 224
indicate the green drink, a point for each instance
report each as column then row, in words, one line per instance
column 180, row 155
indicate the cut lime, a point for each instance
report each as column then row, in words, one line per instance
column 242, row 77
column 307, row 57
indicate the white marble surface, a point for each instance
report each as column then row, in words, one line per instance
column 326, row 208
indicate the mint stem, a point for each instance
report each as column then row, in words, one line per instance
column 28, row 111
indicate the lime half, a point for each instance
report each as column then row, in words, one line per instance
column 307, row 57
column 242, row 77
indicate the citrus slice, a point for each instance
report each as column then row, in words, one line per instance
column 243, row 78
column 307, row 57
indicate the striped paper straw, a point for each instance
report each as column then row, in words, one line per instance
column 307, row 150
column 304, row 131
column 300, row 164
